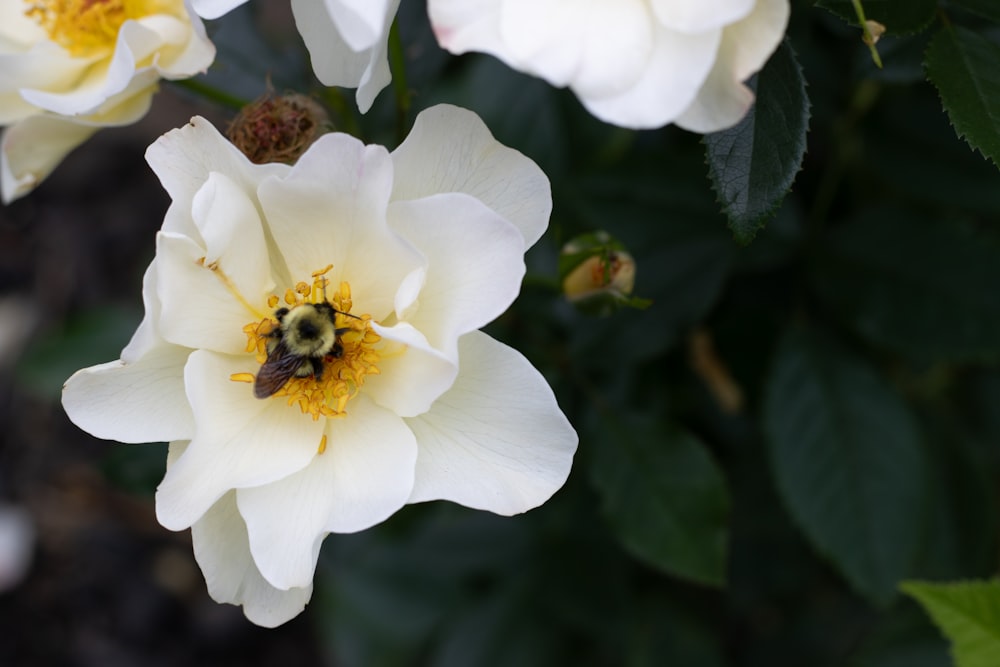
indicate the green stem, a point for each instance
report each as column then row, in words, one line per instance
column 344, row 112
column 397, row 62
column 212, row 93
column 869, row 38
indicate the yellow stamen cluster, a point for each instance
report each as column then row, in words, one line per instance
column 90, row 27
column 343, row 376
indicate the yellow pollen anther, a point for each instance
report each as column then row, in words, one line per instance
column 322, row 445
column 242, row 377
column 342, row 375
column 90, row 27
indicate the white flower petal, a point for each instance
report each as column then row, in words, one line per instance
column 666, row 87
column 330, row 209
column 222, row 549
column 239, row 440
column 752, row 40
column 335, row 61
column 17, row 27
column 595, row 46
column 142, row 401
column 497, row 439
column 702, row 15
column 213, row 9
column 187, row 57
column 183, row 159
column 35, row 146
column 451, row 150
column 474, row 264
column 363, row 477
column 32, row 148
column 412, row 374
column 724, row 100
column 468, row 25
column 232, row 232
column 634, row 63
column 199, row 309
column 362, row 23
column 89, row 93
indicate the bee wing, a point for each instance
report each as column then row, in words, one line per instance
column 278, row 369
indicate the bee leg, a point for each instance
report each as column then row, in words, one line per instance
column 338, row 350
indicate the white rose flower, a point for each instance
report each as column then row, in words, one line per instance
column 634, row 63
column 71, row 67
column 416, row 250
column 347, row 40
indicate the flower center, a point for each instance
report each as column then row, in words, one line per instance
column 90, row 27
column 321, row 385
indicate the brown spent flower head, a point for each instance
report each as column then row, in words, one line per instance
column 278, row 128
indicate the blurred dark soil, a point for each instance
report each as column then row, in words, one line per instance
column 107, row 584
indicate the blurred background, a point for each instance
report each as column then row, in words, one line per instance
column 792, row 427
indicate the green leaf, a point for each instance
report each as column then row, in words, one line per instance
column 847, row 460
column 899, row 17
column 664, row 497
column 986, row 8
column 925, row 287
column 968, row 613
column 962, row 65
column 752, row 165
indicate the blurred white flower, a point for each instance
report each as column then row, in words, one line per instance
column 419, row 248
column 17, row 545
column 347, row 40
column 71, row 67
column 634, row 63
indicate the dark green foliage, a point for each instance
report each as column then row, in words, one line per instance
column 752, row 165
column 961, row 63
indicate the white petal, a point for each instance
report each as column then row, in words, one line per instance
column 451, row 150
column 330, row 209
column 16, row 26
column 468, row 25
column 183, row 159
column 497, row 440
column 222, row 549
column 239, row 440
column 142, row 401
column 751, row 42
column 101, row 82
column 199, row 308
column 474, row 264
column 44, row 66
column 192, row 56
column 673, row 76
column 724, row 100
column 213, row 9
column 700, row 15
column 595, row 46
column 412, row 373
column 334, row 59
column 361, row 23
column 32, row 148
column 364, row 476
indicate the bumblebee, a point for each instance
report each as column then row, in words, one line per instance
column 297, row 347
